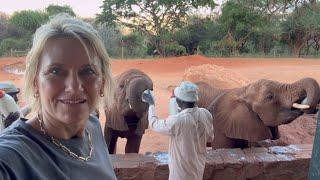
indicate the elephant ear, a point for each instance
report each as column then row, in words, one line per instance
column 236, row 119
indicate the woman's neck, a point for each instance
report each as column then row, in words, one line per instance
column 55, row 128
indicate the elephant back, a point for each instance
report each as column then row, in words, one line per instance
column 206, row 94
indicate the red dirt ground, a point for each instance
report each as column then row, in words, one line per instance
column 228, row 72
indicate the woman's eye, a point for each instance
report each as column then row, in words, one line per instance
column 55, row 71
column 87, row 71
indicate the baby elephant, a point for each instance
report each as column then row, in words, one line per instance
column 127, row 118
column 253, row 113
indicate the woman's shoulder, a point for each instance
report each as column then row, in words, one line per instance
column 15, row 138
column 11, row 143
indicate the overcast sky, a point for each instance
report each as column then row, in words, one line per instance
column 83, row 8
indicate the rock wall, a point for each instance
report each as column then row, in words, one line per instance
column 274, row 163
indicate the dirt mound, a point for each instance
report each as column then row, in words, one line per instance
column 217, row 76
column 300, row 131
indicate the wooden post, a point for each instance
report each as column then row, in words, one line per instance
column 314, row 167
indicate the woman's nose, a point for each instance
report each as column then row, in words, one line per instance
column 73, row 83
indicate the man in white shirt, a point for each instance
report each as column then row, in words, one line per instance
column 188, row 132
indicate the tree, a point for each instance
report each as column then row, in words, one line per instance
column 28, row 20
column 56, row 9
column 154, row 18
column 111, row 38
column 196, row 31
column 301, row 26
column 240, row 21
column 3, row 25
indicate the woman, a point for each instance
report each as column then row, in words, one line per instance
column 67, row 74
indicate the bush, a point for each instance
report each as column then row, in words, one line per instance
column 174, row 49
column 134, row 45
column 11, row 43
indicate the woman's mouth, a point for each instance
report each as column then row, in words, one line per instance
column 73, row 101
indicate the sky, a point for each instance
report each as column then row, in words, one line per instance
column 82, row 8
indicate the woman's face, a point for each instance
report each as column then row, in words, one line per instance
column 68, row 81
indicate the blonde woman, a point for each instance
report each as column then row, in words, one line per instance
column 67, row 75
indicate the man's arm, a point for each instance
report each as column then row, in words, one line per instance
column 163, row 126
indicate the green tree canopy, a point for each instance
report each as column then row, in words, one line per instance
column 301, row 26
column 56, row 9
column 152, row 17
column 240, row 21
column 28, row 20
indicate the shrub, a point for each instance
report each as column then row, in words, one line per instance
column 11, row 43
column 174, row 49
column 134, row 45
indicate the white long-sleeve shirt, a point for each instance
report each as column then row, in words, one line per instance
column 188, row 133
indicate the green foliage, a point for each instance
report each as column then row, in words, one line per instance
column 152, row 17
column 28, row 20
column 3, row 25
column 240, row 21
column 111, row 38
column 174, row 49
column 196, row 31
column 300, row 27
column 134, row 45
column 56, row 9
column 13, row 43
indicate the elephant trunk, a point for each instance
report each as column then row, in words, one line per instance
column 309, row 93
column 134, row 92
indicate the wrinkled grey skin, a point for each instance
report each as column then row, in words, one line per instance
column 127, row 118
column 254, row 112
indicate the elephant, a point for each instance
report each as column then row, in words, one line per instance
column 128, row 116
column 249, row 114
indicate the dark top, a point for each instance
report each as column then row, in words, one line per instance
column 26, row 153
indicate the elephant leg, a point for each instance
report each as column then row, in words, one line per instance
column 240, row 143
column 133, row 143
column 111, row 137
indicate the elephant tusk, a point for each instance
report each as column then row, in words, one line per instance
column 130, row 106
column 300, row 106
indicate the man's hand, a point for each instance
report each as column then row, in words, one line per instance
column 13, row 116
column 147, row 96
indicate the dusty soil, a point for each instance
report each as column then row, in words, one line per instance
column 224, row 72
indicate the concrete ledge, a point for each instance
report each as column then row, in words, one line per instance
column 287, row 162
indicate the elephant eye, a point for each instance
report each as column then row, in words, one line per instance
column 270, row 96
column 121, row 86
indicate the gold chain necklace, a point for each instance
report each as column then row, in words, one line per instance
column 63, row 147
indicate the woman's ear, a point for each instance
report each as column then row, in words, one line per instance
column 235, row 118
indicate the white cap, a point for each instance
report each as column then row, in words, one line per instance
column 187, row 92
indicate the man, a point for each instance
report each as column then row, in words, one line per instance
column 188, row 132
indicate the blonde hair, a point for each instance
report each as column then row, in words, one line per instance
column 65, row 25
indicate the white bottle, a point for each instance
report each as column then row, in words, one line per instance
column 7, row 105
column 173, row 106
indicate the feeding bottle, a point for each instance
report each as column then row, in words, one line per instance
column 7, row 105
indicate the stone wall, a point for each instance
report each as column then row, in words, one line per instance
column 274, row 163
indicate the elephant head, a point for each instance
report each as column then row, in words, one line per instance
column 254, row 112
column 129, row 109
